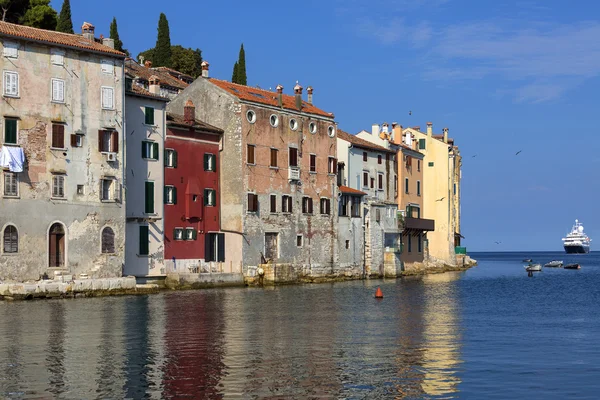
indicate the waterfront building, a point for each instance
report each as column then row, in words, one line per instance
column 193, row 238
column 170, row 82
column 145, row 115
column 278, row 177
column 62, row 154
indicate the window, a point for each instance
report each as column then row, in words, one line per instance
column 431, row 163
column 214, row 247
column 418, row 188
column 273, row 203
column 286, row 204
column 210, row 162
column 251, row 116
column 109, row 189
column 307, row 205
column 313, row 163
column 312, row 128
column 406, row 185
column 210, row 197
column 380, row 181
column 454, row 188
column 250, row 154
column 372, row 183
column 149, row 197
column 365, row 156
column 355, row 211
column 170, row 195
column 58, row 136
column 379, row 159
column 149, row 150
column 107, row 67
column 58, row 186
column 421, row 144
column 80, row 190
column 10, row 131
column 252, row 202
column 11, row 184
column 409, row 243
column 108, row 241
column 293, row 124
column 274, row 158
column 144, row 248
column 77, row 140
column 178, row 234
column 170, row 158
column 331, row 165
column 420, row 243
column 299, row 239
column 331, row 131
column 108, row 98
column 58, row 90
column 293, row 157
column 11, row 50
column 11, row 239
column 418, row 165
column 271, row 247
column 343, row 206
column 108, row 141
column 325, row 206
column 378, row 215
column 274, row 120
column 396, row 184
column 149, row 115
column 365, row 179
column 347, row 244
column 11, row 84
column 191, row 234
column 57, row 57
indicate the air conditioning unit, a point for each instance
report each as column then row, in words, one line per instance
column 111, row 156
column 294, row 174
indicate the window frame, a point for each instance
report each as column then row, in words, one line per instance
column 299, row 241
column 14, row 237
column 55, row 134
column 170, row 195
column 103, row 103
column 312, row 163
column 10, row 49
column 113, row 141
column 208, row 166
column 273, row 203
column 419, row 188
column 406, row 186
column 5, row 93
column 170, row 158
column 144, row 247
column 307, row 205
column 252, row 200
column 149, row 119
column 332, row 165
column 60, row 178
column 57, row 57
column 379, row 159
column 57, row 100
column 286, row 204
column 365, row 180
column 209, row 194
column 110, row 64
column 102, row 243
column 191, row 233
column 253, row 147
column 112, row 189
column 274, row 158
column 14, row 183
column 293, row 150
column 325, row 201
column 176, row 231
column 380, row 181
column 312, row 127
column 16, row 133
column 365, row 156
column 150, row 153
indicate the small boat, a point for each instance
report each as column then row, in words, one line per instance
column 533, row 267
column 572, row 266
column 554, row 264
column 528, row 260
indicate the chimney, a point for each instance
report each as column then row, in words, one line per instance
column 148, row 64
column 205, row 66
column 397, row 133
column 189, row 112
column 375, row 130
column 87, row 31
column 429, row 129
column 142, row 61
column 445, row 135
column 309, row 90
column 154, row 84
column 298, row 93
column 280, row 96
column 108, row 42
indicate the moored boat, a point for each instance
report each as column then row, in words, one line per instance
column 554, row 264
column 527, row 260
column 533, row 267
column 577, row 242
column 572, row 266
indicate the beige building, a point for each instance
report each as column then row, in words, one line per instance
column 62, row 154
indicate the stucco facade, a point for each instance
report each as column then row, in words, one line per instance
column 145, row 120
column 63, row 106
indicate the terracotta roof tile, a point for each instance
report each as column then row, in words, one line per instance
column 173, row 72
column 145, row 73
column 262, row 96
column 140, row 91
column 52, row 37
column 178, row 120
column 358, row 142
column 349, row 190
column 441, row 137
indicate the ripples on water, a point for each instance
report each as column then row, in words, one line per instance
column 489, row 332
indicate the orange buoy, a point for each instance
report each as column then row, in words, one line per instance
column 378, row 293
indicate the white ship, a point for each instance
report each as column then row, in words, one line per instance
column 577, row 242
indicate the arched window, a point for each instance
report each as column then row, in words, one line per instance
column 108, row 240
column 11, row 239
column 56, row 246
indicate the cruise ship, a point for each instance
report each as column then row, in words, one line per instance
column 577, row 242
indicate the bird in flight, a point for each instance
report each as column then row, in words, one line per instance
column 440, row 199
column 474, row 156
column 497, row 242
column 410, row 113
column 517, row 153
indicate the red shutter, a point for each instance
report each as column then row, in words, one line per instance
column 310, row 205
column 114, row 141
column 335, row 165
column 73, row 140
column 100, row 134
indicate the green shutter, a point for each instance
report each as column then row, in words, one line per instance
column 155, row 151
column 174, row 195
column 165, row 194
column 144, row 150
column 205, row 197
column 206, row 156
column 149, row 204
column 144, row 241
column 431, row 163
column 10, row 131
column 422, row 144
column 194, row 234
column 165, row 158
column 174, row 159
column 149, row 112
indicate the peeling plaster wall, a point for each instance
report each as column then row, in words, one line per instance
column 83, row 215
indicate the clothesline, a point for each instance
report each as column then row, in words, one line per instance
column 12, row 158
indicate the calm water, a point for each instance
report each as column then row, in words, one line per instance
column 490, row 332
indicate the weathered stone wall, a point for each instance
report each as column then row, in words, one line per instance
column 351, row 242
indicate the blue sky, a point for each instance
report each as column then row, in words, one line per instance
column 503, row 76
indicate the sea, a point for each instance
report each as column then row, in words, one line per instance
column 491, row 332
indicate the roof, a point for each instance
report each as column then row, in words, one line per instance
column 166, row 79
column 179, row 121
column 349, row 190
column 441, row 137
column 364, row 144
column 58, row 38
column 267, row 97
column 140, row 91
column 174, row 72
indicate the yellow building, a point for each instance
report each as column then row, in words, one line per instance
column 441, row 199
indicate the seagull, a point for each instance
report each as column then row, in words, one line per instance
column 410, row 113
column 474, row 156
column 441, row 199
column 497, row 242
column 517, row 153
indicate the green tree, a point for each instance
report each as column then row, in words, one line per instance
column 114, row 35
column 40, row 15
column 185, row 60
column 64, row 23
column 162, row 50
column 242, row 78
column 13, row 10
column 234, row 75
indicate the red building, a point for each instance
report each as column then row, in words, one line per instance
column 192, row 216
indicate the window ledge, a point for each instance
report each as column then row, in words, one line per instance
column 144, row 255
column 108, row 109
column 109, row 254
column 7, row 196
column 10, row 96
column 59, row 148
column 57, row 102
column 252, row 164
column 11, row 144
column 108, row 201
column 10, row 254
column 274, row 168
column 312, row 172
column 151, row 125
column 58, row 198
column 149, row 159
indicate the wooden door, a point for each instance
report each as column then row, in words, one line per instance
column 271, row 246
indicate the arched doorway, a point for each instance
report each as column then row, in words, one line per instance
column 56, row 242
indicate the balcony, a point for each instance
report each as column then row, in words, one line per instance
column 294, row 174
column 460, row 250
column 419, row 224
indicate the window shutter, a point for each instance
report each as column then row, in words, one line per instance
column 328, row 206
column 335, row 165
column 208, row 247
column 289, row 199
column 144, row 239
column 101, row 141
column 114, row 141
column 194, row 234
column 174, row 159
column 117, row 190
column 10, row 131
column 149, row 198
column 174, row 195
column 310, row 205
column 220, row 247
column 144, row 149
column 273, row 203
column 293, row 157
column 149, row 115
column 206, row 156
column 73, row 140
column 155, row 151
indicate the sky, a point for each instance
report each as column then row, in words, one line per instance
column 503, row 76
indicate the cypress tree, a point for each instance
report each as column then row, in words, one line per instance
column 234, row 76
column 65, row 24
column 114, row 34
column 162, row 51
column 242, row 78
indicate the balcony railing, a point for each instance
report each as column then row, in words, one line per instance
column 419, row 224
column 294, row 174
